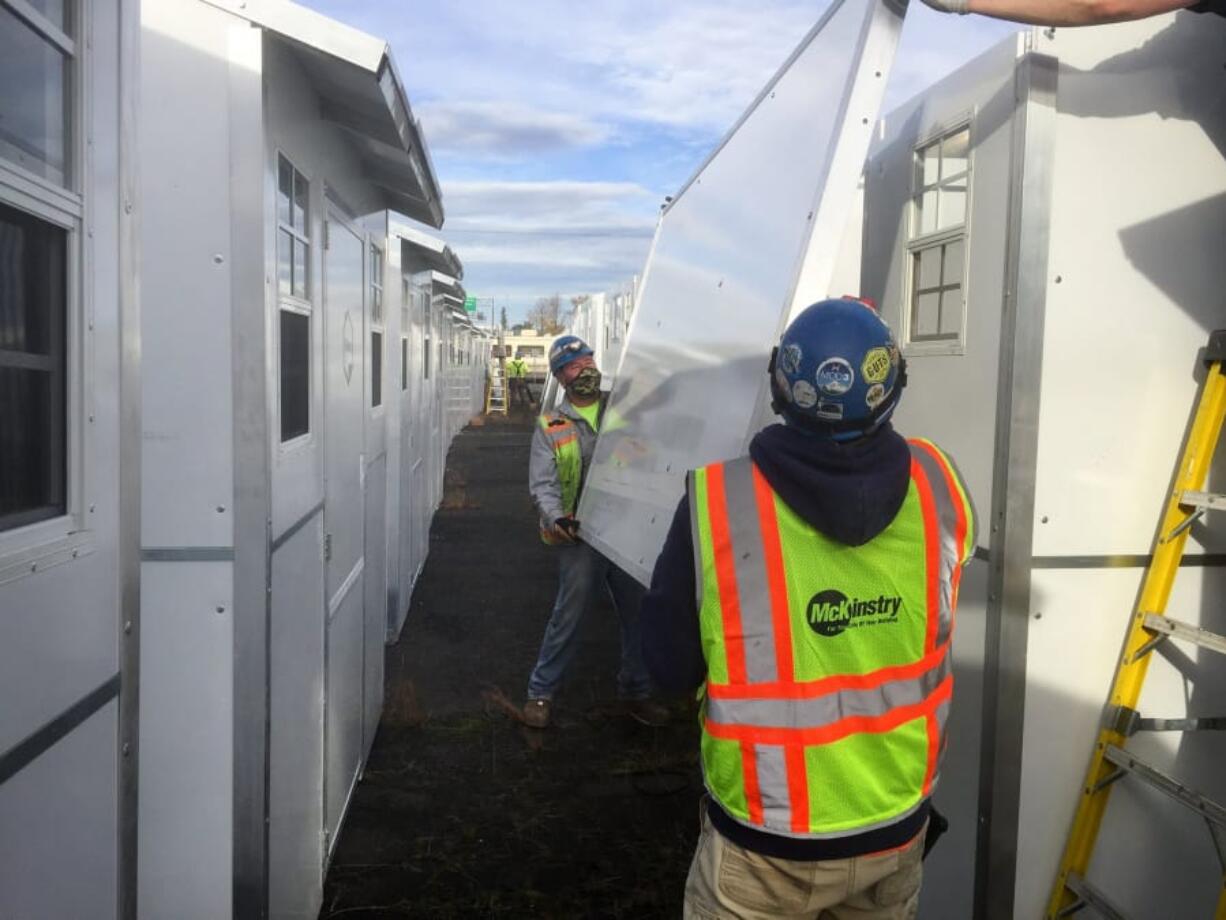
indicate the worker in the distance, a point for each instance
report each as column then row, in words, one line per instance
column 1074, row 12
column 811, row 586
column 562, row 449
column 517, row 373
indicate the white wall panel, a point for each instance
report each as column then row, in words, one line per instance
column 187, row 740
column 730, row 253
column 57, row 835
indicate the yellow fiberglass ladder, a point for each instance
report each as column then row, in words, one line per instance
column 1149, row 628
column 496, row 387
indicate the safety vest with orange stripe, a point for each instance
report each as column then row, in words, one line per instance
column 828, row 668
column 563, row 437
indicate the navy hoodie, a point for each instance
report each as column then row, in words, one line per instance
column 850, row 492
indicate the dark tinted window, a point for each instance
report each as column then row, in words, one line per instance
column 404, row 363
column 295, row 374
column 33, row 454
column 376, row 368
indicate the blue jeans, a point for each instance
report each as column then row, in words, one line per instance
column 581, row 570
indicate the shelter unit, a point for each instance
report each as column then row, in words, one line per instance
column 69, row 458
column 273, row 142
column 603, row 321
column 1040, row 228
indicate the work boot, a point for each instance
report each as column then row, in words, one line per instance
column 536, row 713
column 648, row 712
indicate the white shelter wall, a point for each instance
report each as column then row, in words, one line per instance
column 1134, row 287
column 185, row 123
column 319, row 151
column 1135, row 283
column 952, row 398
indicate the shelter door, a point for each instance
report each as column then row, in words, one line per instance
column 344, row 512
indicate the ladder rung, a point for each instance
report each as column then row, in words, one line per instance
column 1175, row 629
column 1127, row 722
column 1206, row 808
column 1209, row 501
column 1088, row 896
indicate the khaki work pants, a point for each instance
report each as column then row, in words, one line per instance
column 728, row 882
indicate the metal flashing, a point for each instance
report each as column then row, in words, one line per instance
column 437, row 254
column 289, row 532
column 37, row 743
column 1013, row 479
column 187, row 554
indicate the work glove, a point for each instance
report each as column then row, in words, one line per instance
column 961, row 7
column 566, row 529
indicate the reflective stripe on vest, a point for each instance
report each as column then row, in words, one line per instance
column 764, row 726
column 563, row 437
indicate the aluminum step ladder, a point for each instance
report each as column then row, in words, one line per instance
column 496, row 388
column 1149, row 628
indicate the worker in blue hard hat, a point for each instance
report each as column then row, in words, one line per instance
column 561, row 453
column 1074, row 12
column 809, row 589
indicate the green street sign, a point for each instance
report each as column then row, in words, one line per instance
column 470, row 304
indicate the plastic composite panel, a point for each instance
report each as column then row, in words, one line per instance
column 296, row 727
column 343, row 715
column 187, row 740
column 185, row 350
column 982, row 92
column 1127, row 235
column 722, row 273
column 1129, row 239
column 1154, row 858
column 56, row 814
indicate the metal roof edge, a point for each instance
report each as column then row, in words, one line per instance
column 311, row 28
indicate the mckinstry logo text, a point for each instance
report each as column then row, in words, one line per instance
column 831, row 612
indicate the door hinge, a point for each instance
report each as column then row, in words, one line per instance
column 327, row 547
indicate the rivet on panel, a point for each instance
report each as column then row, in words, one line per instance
column 127, row 749
column 1043, row 519
column 220, row 609
column 92, row 508
column 1038, row 614
column 1059, row 279
column 218, row 259
column 127, row 627
column 221, row 509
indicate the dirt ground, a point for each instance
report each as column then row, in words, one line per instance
column 465, row 812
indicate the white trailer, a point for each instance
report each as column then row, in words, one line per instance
column 1040, row 227
column 69, row 459
column 274, row 141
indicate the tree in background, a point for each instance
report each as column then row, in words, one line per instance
column 504, row 319
column 546, row 315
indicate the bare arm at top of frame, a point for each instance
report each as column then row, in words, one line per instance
column 1067, row 12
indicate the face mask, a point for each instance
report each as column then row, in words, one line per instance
column 586, row 383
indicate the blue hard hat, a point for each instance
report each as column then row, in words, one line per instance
column 837, row 369
column 566, row 349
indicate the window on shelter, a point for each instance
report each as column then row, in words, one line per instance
column 377, row 326
column 33, row 308
column 36, row 70
column 294, row 292
column 935, row 305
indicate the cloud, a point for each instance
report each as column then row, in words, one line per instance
column 508, row 130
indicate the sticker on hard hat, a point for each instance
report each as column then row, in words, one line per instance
column 835, row 377
column 876, row 365
column 874, row 396
column 790, row 359
column 832, row 411
column 804, row 395
column 781, row 380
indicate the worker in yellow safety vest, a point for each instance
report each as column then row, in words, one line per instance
column 517, row 376
column 561, row 452
column 809, row 588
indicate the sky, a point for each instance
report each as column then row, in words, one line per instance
column 558, row 128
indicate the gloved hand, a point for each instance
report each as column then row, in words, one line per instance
column 961, row 7
column 566, row 529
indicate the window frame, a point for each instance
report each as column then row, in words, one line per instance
column 304, row 306
column 917, row 242
column 67, row 206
